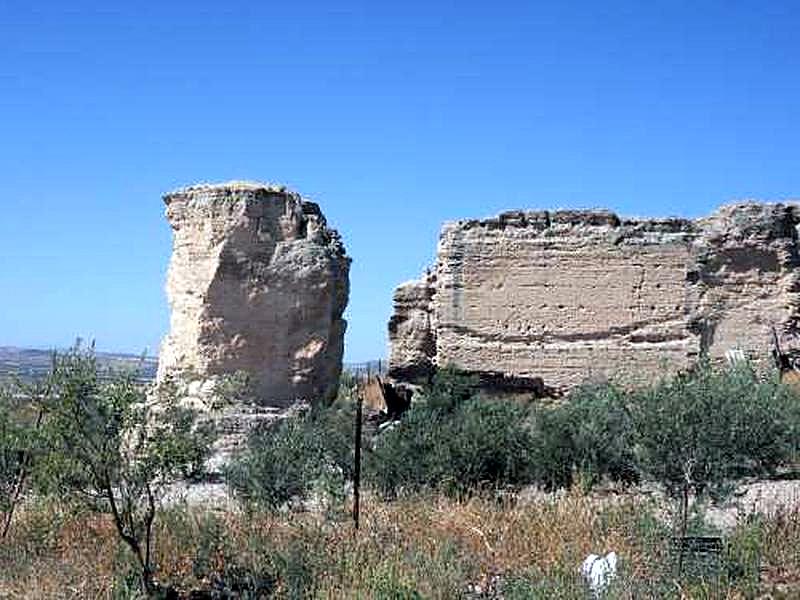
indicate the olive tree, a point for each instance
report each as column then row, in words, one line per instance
column 699, row 433
column 21, row 415
column 12, row 455
column 117, row 445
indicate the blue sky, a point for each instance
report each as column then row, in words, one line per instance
column 394, row 116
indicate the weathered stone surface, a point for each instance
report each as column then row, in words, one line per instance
column 573, row 295
column 257, row 283
column 412, row 330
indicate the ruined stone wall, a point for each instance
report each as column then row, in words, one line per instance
column 573, row 295
column 258, row 283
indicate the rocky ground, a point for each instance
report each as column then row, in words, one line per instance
column 765, row 497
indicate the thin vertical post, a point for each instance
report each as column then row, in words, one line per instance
column 684, row 526
column 357, row 458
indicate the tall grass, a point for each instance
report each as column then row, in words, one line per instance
column 416, row 547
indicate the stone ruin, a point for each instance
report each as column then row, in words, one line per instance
column 548, row 300
column 257, row 283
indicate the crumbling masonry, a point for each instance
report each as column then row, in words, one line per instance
column 562, row 297
column 257, row 283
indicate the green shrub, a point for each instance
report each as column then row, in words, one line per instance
column 12, row 456
column 490, row 443
column 700, row 432
column 116, row 447
column 21, row 414
column 591, row 433
column 448, row 389
column 694, row 432
column 294, row 457
column 408, row 455
column 473, row 444
column 456, row 441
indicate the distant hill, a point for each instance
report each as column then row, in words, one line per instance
column 30, row 364
column 375, row 367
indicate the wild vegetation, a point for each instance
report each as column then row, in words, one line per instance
column 464, row 497
column 106, row 444
column 427, row 546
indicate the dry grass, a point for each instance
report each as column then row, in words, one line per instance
column 781, row 544
column 52, row 552
column 433, row 546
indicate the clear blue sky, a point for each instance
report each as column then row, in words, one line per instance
column 394, row 116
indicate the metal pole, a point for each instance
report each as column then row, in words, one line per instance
column 357, row 469
column 685, row 507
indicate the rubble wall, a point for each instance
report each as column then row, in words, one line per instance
column 569, row 296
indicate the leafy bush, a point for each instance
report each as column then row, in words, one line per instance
column 490, row 442
column 21, row 414
column 116, row 446
column 701, row 431
column 292, row 458
column 406, row 456
column 12, row 456
column 457, row 441
column 591, row 433
column 449, row 388
column 470, row 444
column 695, row 432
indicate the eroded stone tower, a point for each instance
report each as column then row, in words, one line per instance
column 257, row 283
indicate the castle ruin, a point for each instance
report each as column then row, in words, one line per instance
column 567, row 296
column 257, row 283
